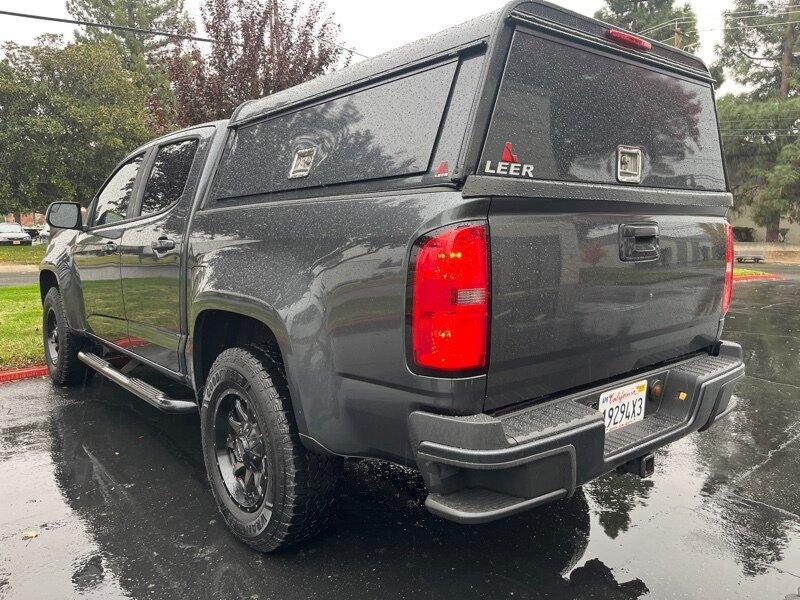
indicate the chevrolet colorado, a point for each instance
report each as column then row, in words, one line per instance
column 499, row 255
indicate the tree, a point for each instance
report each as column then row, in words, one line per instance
column 69, row 113
column 762, row 151
column 760, row 46
column 263, row 46
column 141, row 53
column 658, row 19
column 761, row 128
column 136, row 48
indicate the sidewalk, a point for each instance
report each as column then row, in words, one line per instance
column 773, row 253
column 18, row 274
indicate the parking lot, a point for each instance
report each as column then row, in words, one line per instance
column 117, row 494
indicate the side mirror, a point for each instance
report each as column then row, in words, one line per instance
column 64, row 215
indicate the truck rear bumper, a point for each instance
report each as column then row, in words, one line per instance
column 480, row 468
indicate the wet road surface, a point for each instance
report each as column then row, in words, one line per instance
column 118, row 495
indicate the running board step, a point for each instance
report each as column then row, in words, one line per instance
column 478, row 505
column 138, row 387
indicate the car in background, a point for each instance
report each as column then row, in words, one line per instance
column 12, row 234
column 749, row 255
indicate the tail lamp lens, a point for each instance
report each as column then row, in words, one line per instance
column 727, row 292
column 449, row 315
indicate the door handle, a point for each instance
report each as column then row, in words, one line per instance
column 109, row 248
column 638, row 242
column 162, row 244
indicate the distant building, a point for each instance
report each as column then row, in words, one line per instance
column 28, row 219
column 759, row 232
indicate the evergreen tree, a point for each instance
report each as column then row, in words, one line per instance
column 142, row 53
column 137, row 48
column 761, row 128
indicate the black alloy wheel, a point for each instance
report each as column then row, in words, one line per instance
column 241, row 452
column 51, row 336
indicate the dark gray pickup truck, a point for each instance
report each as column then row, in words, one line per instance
column 499, row 255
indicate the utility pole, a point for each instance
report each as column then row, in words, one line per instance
column 678, row 38
column 273, row 42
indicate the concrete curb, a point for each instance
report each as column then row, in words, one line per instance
column 19, row 374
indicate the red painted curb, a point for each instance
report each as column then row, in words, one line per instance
column 26, row 373
column 766, row 277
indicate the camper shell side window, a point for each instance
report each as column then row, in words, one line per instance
column 392, row 130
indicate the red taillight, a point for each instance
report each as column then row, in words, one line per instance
column 628, row 39
column 727, row 291
column 449, row 316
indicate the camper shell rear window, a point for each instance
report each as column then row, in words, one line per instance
column 564, row 111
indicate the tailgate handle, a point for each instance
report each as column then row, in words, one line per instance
column 638, row 242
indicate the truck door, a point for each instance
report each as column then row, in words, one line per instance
column 96, row 254
column 151, row 250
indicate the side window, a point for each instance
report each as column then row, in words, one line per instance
column 114, row 198
column 388, row 130
column 168, row 176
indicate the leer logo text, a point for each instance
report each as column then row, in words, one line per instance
column 509, row 165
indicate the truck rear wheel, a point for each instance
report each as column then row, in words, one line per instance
column 271, row 491
column 61, row 346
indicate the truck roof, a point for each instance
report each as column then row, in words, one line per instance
column 455, row 39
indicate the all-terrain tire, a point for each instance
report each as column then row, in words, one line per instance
column 302, row 483
column 63, row 365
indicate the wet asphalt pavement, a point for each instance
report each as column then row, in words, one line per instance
column 118, row 495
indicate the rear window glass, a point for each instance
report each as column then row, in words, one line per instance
column 168, row 176
column 563, row 112
column 384, row 131
column 114, row 198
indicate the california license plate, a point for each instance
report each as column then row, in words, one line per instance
column 623, row 405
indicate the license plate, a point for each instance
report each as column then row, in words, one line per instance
column 15, row 242
column 623, row 405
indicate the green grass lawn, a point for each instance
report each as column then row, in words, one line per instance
column 22, row 255
column 20, row 327
column 742, row 272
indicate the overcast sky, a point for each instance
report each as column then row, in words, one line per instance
column 374, row 27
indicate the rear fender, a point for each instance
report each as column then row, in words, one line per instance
column 254, row 309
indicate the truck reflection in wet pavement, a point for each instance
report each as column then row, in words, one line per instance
column 137, row 482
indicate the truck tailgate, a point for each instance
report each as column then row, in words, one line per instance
column 568, row 311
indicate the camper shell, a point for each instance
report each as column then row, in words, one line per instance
column 480, row 50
